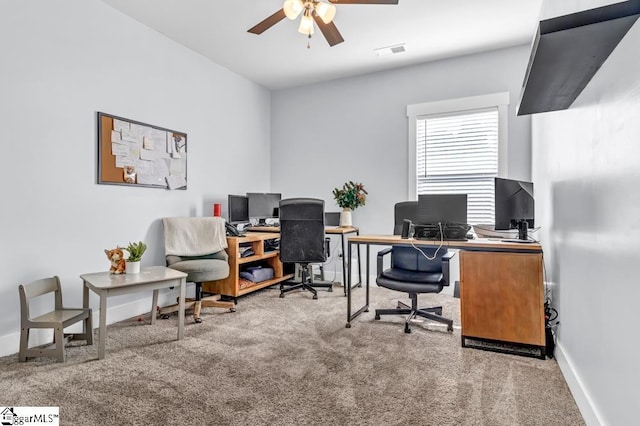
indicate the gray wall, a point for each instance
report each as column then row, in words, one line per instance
column 356, row 128
column 586, row 168
column 61, row 62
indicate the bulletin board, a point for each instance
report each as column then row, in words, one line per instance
column 138, row 154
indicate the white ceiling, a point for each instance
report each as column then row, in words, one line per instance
column 279, row 58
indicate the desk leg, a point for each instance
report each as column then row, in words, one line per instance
column 365, row 308
column 85, row 304
column 347, row 288
column 183, row 287
column 367, row 277
column 359, row 266
column 345, row 277
column 102, row 335
column 85, row 295
column 154, row 304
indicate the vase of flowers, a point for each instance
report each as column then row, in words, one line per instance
column 351, row 196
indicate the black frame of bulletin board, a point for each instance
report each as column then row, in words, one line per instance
column 109, row 173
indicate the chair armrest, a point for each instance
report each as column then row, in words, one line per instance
column 380, row 260
column 445, row 266
column 448, row 255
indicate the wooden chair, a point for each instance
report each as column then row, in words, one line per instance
column 58, row 319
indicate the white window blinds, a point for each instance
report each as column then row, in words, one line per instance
column 457, row 153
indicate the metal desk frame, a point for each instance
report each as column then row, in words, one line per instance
column 388, row 240
column 346, row 266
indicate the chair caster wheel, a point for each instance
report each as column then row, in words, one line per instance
column 348, row 325
column 281, row 295
column 315, row 296
column 232, row 309
column 439, row 312
column 197, row 320
column 407, row 329
column 450, row 328
column 330, row 290
column 164, row 316
column 377, row 317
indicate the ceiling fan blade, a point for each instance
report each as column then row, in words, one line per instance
column 364, row 1
column 329, row 31
column 267, row 23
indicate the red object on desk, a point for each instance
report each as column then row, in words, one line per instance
column 217, row 210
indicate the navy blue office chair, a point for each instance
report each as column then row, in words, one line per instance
column 412, row 272
column 404, row 210
column 302, row 241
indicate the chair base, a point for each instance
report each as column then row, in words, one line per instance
column 306, row 283
column 432, row 313
column 197, row 304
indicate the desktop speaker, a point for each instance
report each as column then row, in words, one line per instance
column 406, row 228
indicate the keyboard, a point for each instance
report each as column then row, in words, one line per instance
column 451, row 231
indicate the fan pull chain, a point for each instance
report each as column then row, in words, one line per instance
column 309, row 42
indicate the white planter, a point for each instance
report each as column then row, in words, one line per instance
column 345, row 218
column 132, row 267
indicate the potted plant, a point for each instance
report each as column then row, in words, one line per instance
column 136, row 250
column 351, row 196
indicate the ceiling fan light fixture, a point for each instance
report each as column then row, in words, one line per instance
column 292, row 8
column 306, row 25
column 325, row 11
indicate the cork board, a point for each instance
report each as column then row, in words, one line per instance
column 139, row 154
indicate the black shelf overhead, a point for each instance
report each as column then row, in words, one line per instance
column 568, row 51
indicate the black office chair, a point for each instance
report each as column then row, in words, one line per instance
column 302, row 241
column 412, row 272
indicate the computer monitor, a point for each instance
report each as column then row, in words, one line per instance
column 331, row 218
column 442, row 208
column 263, row 205
column 238, row 208
column 514, row 206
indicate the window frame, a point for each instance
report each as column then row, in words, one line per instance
column 500, row 100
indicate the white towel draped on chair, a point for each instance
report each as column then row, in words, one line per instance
column 194, row 236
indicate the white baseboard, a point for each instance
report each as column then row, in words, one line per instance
column 581, row 396
column 10, row 343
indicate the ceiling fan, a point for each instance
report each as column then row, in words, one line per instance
column 312, row 10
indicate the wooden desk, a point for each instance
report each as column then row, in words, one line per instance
column 153, row 278
column 230, row 286
column 501, row 290
column 343, row 231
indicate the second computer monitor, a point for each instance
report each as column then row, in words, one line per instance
column 263, row 205
column 442, row 208
column 238, row 208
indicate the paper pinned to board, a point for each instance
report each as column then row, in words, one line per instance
column 120, row 125
column 175, row 182
column 119, row 149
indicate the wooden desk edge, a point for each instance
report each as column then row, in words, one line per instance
column 478, row 243
column 327, row 230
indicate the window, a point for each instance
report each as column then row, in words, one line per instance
column 458, row 146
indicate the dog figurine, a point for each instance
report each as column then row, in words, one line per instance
column 116, row 256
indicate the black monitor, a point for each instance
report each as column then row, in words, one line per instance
column 238, row 208
column 263, row 205
column 442, row 208
column 514, row 206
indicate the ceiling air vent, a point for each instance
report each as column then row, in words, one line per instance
column 390, row 50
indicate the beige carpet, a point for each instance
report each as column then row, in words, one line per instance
column 291, row 361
